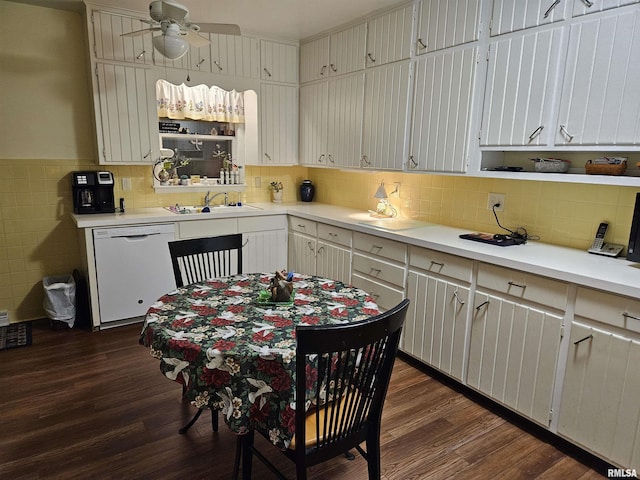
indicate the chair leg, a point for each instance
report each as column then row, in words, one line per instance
column 236, row 462
column 373, row 455
column 247, row 454
column 349, row 455
column 214, row 419
column 186, row 428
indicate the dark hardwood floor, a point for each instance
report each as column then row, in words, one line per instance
column 84, row 405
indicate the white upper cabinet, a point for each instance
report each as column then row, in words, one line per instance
column 127, row 123
column 279, row 62
column 314, row 60
column 600, row 97
column 109, row 44
column 389, row 37
column 235, row 55
column 314, row 124
column 336, row 54
column 521, row 79
column 344, row 127
column 446, row 23
column 386, row 102
column 347, row 50
column 583, row 7
column 279, row 124
column 510, row 15
column 442, row 111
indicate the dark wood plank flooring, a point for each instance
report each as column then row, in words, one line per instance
column 85, row 405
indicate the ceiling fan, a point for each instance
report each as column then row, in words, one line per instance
column 172, row 19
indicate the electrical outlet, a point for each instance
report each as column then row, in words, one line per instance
column 495, row 198
column 126, row 184
column 257, row 182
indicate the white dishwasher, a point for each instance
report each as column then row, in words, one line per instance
column 133, row 268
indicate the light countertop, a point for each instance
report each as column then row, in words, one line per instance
column 576, row 266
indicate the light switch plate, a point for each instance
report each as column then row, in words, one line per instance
column 126, row 184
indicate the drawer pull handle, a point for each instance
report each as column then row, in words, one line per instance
column 377, row 247
column 553, row 5
column 375, row 270
column 588, row 3
column 141, row 54
column 513, row 284
column 455, row 294
column 267, row 72
column 482, row 305
column 439, row 264
column 323, row 69
column 321, row 158
column 565, row 133
column 320, row 250
column 302, row 226
column 310, row 246
column 421, row 44
column 331, row 234
column 588, row 337
column 375, row 295
column 217, row 64
column 626, row 316
column 333, row 67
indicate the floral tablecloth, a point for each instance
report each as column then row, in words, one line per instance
column 237, row 354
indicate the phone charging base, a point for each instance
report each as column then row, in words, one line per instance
column 608, row 249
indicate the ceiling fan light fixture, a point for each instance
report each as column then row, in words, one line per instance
column 170, row 46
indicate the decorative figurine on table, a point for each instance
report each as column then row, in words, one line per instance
column 281, row 286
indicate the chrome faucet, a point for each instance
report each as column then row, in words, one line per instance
column 208, row 198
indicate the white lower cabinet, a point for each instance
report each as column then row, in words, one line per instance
column 515, row 340
column 264, row 242
column 379, row 268
column 333, row 259
column 435, row 328
column 302, row 246
column 600, row 406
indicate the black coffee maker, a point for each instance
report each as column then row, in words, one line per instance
column 93, row 192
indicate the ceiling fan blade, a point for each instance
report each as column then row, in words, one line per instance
column 220, row 28
column 174, row 11
column 194, row 39
column 137, row 33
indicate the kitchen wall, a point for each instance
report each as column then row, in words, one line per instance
column 46, row 132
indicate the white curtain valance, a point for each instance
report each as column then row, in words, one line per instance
column 212, row 104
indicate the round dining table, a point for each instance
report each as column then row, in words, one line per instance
column 234, row 350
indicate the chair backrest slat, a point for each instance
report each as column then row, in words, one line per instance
column 199, row 259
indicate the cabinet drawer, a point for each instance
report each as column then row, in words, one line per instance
column 616, row 310
column 338, row 235
column 442, row 263
column 380, row 247
column 207, row 228
column 378, row 269
column 526, row 286
column 302, row 225
column 385, row 297
column 262, row 224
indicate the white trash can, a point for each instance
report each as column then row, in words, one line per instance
column 60, row 298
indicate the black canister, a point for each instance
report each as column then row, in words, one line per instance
column 307, row 189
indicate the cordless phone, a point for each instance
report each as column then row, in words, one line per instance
column 598, row 246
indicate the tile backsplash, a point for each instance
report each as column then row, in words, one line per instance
column 38, row 237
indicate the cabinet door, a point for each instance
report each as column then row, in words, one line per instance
column 313, row 123
column 127, row 118
column 333, row 262
column 389, row 37
column 314, row 60
column 344, row 128
column 600, row 408
column 600, row 100
column 510, row 16
column 583, row 7
column 264, row 251
column 386, row 103
column 435, row 329
column 521, row 80
column 279, row 62
column 446, row 23
column 513, row 355
column 279, row 124
column 109, row 44
column 235, row 55
column 302, row 254
column 347, row 50
column 442, row 111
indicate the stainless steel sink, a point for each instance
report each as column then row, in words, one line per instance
column 198, row 209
